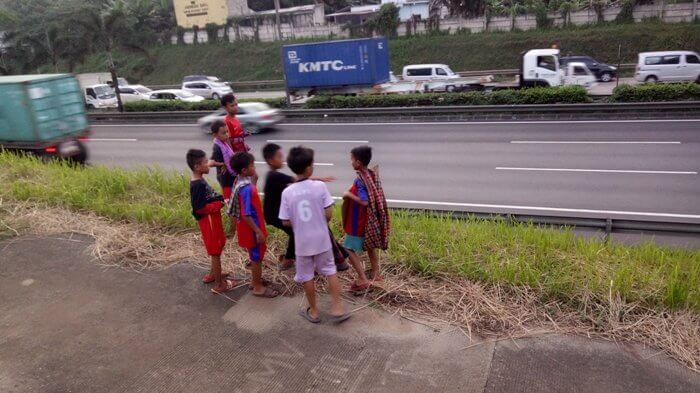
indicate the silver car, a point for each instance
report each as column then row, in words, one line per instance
column 254, row 116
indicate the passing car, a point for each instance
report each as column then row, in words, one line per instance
column 207, row 89
column 670, row 66
column 174, row 94
column 133, row 93
column 603, row 72
column 192, row 78
column 254, row 116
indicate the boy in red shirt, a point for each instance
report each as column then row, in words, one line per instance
column 246, row 208
column 206, row 209
column 236, row 132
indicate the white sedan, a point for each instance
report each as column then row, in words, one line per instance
column 254, row 116
column 133, row 93
column 174, row 94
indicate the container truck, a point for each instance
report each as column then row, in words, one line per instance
column 352, row 67
column 43, row 115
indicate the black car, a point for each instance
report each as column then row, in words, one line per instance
column 603, row 72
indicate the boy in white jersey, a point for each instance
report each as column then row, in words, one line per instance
column 307, row 207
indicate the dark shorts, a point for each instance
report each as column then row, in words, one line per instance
column 257, row 253
column 213, row 234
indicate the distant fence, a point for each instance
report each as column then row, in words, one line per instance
column 672, row 13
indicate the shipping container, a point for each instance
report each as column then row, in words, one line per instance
column 40, row 108
column 361, row 62
column 40, row 111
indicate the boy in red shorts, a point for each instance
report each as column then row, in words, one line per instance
column 246, row 209
column 206, row 209
column 236, row 132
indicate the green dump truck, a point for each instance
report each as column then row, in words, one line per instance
column 43, row 115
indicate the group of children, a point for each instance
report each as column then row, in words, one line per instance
column 302, row 207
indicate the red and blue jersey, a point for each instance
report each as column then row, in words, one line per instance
column 250, row 206
column 355, row 216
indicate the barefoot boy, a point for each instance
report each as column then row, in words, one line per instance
column 246, row 208
column 221, row 158
column 307, row 207
column 365, row 217
column 206, row 209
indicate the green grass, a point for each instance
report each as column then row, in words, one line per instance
column 245, row 61
column 558, row 264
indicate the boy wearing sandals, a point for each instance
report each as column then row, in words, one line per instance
column 246, row 209
column 307, row 208
column 206, row 209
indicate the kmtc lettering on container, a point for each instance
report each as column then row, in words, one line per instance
column 318, row 66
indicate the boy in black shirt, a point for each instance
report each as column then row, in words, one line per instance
column 221, row 158
column 275, row 183
column 206, row 209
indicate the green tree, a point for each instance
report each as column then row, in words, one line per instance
column 385, row 21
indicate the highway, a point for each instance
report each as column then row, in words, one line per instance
column 645, row 170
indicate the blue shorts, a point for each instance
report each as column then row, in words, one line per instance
column 257, row 253
column 354, row 243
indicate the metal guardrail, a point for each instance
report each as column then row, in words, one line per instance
column 658, row 110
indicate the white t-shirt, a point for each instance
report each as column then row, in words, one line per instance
column 303, row 204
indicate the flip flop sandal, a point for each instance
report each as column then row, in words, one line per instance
column 269, row 293
column 265, row 282
column 230, row 286
column 305, row 314
column 357, row 288
column 338, row 319
column 208, row 279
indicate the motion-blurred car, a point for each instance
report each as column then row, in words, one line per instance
column 192, row 78
column 134, row 93
column 207, row 89
column 174, row 94
column 603, row 72
column 254, row 116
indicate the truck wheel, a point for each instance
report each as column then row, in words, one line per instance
column 651, row 79
column 606, row 77
column 81, row 157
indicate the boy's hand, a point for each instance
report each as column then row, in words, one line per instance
column 347, row 195
column 260, row 237
column 325, row 179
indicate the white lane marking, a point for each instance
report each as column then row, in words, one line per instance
column 315, row 163
column 494, row 122
column 112, row 140
column 429, row 123
column 598, row 142
column 503, row 168
column 547, row 209
column 312, row 141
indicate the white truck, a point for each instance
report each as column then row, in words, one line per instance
column 96, row 92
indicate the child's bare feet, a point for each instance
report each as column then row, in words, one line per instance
column 358, row 285
column 209, row 278
column 376, row 277
column 226, row 286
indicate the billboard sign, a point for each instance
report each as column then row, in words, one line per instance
column 191, row 13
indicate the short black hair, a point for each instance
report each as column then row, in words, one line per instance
column 227, row 99
column 269, row 150
column 194, row 157
column 241, row 160
column 300, row 158
column 362, row 154
column 216, row 125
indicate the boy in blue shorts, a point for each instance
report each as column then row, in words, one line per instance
column 365, row 217
column 246, row 209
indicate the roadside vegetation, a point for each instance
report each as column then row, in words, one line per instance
column 656, row 92
column 554, row 262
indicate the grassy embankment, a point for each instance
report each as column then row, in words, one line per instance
column 556, row 264
column 246, row 61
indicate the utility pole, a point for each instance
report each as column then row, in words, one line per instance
column 277, row 19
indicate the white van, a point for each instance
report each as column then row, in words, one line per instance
column 671, row 66
column 423, row 72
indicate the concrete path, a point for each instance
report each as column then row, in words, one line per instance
column 70, row 325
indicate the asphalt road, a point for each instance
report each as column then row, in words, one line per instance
column 622, row 169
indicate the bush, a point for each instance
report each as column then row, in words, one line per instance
column 538, row 95
column 206, row 105
column 656, row 92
